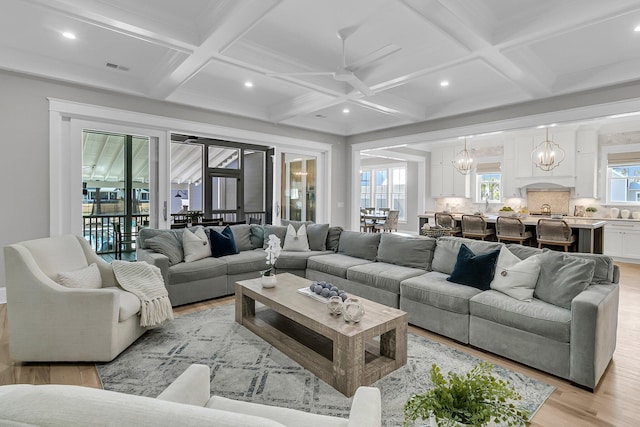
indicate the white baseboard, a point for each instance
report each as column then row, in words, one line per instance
column 3, row 295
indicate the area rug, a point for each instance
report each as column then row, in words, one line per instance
column 244, row 367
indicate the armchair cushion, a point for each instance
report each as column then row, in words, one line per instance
column 85, row 278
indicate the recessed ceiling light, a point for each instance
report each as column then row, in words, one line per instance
column 69, row 35
column 248, row 84
column 346, row 110
column 444, row 83
column 637, row 29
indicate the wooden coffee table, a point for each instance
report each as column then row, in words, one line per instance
column 344, row 355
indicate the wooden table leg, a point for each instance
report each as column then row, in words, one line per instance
column 245, row 306
column 348, row 364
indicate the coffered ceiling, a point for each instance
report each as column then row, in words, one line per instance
column 398, row 54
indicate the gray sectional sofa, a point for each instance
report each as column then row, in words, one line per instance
column 567, row 328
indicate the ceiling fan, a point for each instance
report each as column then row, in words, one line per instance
column 345, row 73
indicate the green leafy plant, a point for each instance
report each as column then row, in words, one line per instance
column 475, row 398
column 590, row 209
column 506, row 209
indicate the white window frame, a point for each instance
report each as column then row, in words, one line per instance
column 478, row 198
column 604, row 163
column 389, row 168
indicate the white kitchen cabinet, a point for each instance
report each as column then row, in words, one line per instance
column 622, row 240
column 586, row 163
column 508, row 171
column 446, row 181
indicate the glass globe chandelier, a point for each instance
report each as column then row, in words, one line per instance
column 463, row 162
column 547, row 155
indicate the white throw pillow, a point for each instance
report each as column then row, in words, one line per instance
column 514, row 277
column 196, row 245
column 296, row 241
column 85, row 278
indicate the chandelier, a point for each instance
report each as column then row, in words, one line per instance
column 463, row 161
column 547, row 155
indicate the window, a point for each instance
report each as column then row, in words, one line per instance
column 623, row 173
column 389, row 189
column 488, row 182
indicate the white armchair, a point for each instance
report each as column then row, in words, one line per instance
column 186, row 402
column 51, row 322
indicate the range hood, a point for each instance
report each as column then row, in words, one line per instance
column 544, row 182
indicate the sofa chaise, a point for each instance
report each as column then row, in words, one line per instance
column 186, row 402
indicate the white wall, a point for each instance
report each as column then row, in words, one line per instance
column 24, row 148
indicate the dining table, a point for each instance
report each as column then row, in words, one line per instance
column 375, row 218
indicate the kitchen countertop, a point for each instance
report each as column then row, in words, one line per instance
column 573, row 221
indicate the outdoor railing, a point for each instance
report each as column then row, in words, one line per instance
column 100, row 232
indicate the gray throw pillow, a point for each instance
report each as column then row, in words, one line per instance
column 242, row 236
column 523, row 252
column 359, row 245
column 278, row 230
column 333, row 238
column 562, row 278
column 167, row 245
column 604, row 267
column 256, row 235
column 317, row 236
column 414, row 252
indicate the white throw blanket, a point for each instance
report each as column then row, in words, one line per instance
column 145, row 281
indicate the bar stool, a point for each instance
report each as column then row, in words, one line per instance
column 512, row 230
column 447, row 221
column 554, row 232
column 475, row 227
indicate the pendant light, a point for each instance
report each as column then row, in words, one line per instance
column 463, row 161
column 547, row 155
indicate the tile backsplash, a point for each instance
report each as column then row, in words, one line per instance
column 557, row 200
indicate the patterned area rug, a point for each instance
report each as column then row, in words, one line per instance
column 244, row 367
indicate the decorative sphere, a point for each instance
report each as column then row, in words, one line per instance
column 318, row 289
column 334, row 305
column 333, row 293
column 313, row 286
column 353, row 310
column 344, row 296
column 322, row 283
column 335, row 288
column 325, row 292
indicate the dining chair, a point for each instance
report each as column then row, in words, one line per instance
column 475, row 227
column 447, row 221
column 390, row 223
column 512, row 230
column 366, row 225
column 554, row 232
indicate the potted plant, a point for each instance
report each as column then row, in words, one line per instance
column 273, row 252
column 506, row 211
column 474, row 398
column 591, row 210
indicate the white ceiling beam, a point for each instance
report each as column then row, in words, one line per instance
column 303, row 105
column 393, row 106
column 234, row 19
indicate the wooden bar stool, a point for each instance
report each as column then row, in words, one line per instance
column 554, row 232
column 475, row 227
column 512, row 230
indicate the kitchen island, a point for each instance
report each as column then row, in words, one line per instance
column 589, row 233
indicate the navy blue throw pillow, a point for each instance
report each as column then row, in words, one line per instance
column 222, row 243
column 474, row 270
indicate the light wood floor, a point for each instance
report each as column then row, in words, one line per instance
column 616, row 401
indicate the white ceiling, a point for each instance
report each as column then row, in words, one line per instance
column 200, row 53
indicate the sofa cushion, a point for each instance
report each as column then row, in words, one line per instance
column 382, row 275
column 148, row 233
column 516, row 277
column 562, row 277
column 222, row 243
column 523, row 252
column 433, row 289
column 195, row 245
column 197, row 270
column 278, row 230
column 333, row 238
column 241, row 235
column 246, row 262
column 296, row 240
column 474, row 270
column 334, row 264
column 296, row 260
column 84, row 278
column 416, row 252
column 359, row 245
column 604, row 266
column 317, row 235
column 168, row 245
column 537, row 317
column 447, row 248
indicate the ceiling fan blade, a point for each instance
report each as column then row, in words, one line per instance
column 359, row 85
column 374, row 56
column 303, row 73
